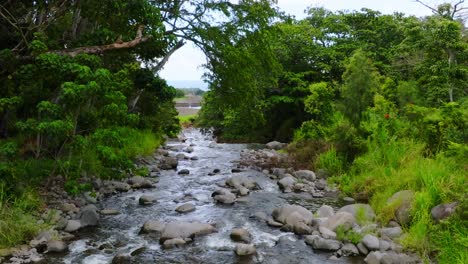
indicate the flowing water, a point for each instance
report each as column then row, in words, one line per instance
column 119, row 234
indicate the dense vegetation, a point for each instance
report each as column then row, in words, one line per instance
column 80, row 96
column 378, row 102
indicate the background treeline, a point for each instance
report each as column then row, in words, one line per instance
column 377, row 102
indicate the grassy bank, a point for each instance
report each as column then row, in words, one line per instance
column 393, row 165
column 107, row 153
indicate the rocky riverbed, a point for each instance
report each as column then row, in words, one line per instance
column 204, row 202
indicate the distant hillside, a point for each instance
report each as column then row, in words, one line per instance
column 188, row 84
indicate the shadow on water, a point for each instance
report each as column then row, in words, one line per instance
column 120, row 234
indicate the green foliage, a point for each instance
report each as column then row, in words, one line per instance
column 348, row 235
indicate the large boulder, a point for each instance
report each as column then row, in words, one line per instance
column 180, row 229
column 305, row 174
column 185, row 208
column 292, row 214
column 245, row 250
column 443, row 211
column 89, row 216
column 239, row 180
column 168, row 163
column 402, row 201
column 241, row 235
column 325, row 211
column 152, row 227
column 317, row 242
column 344, row 219
column 275, row 145
column 224, row 196
column 138, row 182
column 287, row 183
column 359, row 211
column 371, row 242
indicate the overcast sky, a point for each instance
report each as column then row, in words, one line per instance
column 186, row 63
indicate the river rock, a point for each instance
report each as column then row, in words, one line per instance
column 275, row 145
column 327, row 233
column 373, row 257
column 399, row 258
column 69, row 207
column 287, row 183
column 300, row 228
column 185, row 208
column 391, row 232
column 242, row 191
column 138, row 182
column 152, row 226
column 110, row 212
column 180, row 229
column 402, row 201
column 317, row 242
column 188, row 149
column 174, row 242
column 184, row 172
column 146, row 200
column 224, row 196
column 371, row 242
column 163, row 152
column 119, row 186
column 384, row 245
column 121, row 259
column 359, row 211
column 273, row 223
column 181, row 156
column 291, row 214
column 305, row 174
column 443, row 211
column 325, row 211
column 349, row 249
column 72, row 226
column 56, row 246
column 344, row 219
column 168, row 163
column 349, row 200
column 245, row 250
column 241, row 235
column 239, row 180
column 89, row 216
column 362, row 249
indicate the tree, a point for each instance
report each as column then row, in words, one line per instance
column 360, row 85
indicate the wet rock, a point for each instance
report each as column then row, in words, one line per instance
column 138, row 251
column 349, row 200
column 239, row 180
column 72, row 226
column 327, row 233
column 184, row 172
column 241, row 235
column 362, row 249
column 245, row 250
column 119, row 186
column 359, row 211
column 273, row 223
column 181, row 156
column 344, row 219
column 305, row 174
column 402, row 201
column 300, row 228
column 69, row 207
column 291, row 214
column 174, row 242
column 236, row 170
column 224, row 196
column 194, row 158
column 185, row 208
column 89, row 216
column 56, row 246
column 325, row 211
column 371, row 242
column 261, row 216
column 110, row 212
column 287, row 183
column 216, row 171
column 138, row 182
column 121, row 259
column 188, row 149
column 180, row 229
column 146, row 200
column 391, row 232
column 163, row 152
column 168, row 163
column 316, row 242
column 443, row 211
column 275, row 145
column 152, row 226
column 349, row 250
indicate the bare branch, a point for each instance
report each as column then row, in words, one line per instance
column 100, row 49
column 435, row 11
